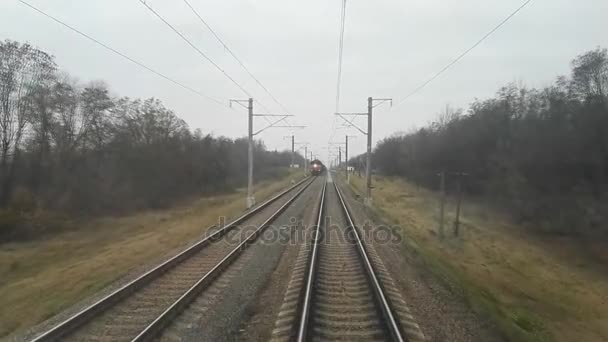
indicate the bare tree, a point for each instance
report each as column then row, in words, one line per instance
column 40, row 119
column 590, row 74
column 149, row 121
column 445, row 117
column 22, row 67
column 71, row 147
column 96, row 106
column 542, row 154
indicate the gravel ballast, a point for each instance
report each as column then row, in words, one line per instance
column 217, row 314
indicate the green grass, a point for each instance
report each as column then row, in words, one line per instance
column 39, row 278
column 535, row 289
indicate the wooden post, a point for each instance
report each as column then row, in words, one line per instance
column 458, row 200
column 442, row 202
column 460, row 175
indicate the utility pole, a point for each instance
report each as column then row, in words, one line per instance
column 337, row 155
column 305, row 144
column 350, row 123
column 293, row 151
column 250, row 201
column 250, row 198
column 346, row 157
column 346, row 161
column 305, row 160
column 368, row 167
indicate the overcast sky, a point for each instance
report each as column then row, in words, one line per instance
column 390, row 47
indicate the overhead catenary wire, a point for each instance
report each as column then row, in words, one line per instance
column 463, row 54
column 200, row 52
column 340, row 54
column 259, row 83
column 340, row 58
column 221, row 41
column 111, row 49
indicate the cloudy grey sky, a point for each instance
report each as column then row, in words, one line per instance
column 390, row 47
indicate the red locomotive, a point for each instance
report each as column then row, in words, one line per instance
column 316, row 167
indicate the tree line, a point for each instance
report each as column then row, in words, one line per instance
column 74, row 147
column 540, row 153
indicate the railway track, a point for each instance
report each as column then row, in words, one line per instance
column 343, row 296
column 141, row 309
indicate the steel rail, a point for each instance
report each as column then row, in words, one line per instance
column 307, row 300
column 385, row 308
column 167, row 316
column 85, row 315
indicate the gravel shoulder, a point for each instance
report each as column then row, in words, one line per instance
column 442, row 314
column 259, row 319
column 234, row 297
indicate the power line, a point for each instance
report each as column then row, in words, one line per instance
column 196, row 49
column 234, row 56
column 462, row 55
column 107, row 47
column 340, row 53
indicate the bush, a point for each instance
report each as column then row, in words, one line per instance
column 10, row 221
column 19, row 226
column 22, row 200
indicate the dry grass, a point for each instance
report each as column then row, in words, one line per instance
column 40, row 278
column 537, row 288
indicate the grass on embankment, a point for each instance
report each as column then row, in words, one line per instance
column 536, row 288
column 40, row 278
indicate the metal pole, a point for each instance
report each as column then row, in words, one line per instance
column 339, row 156
column 293, row 151
column 305, row 160
column 250, row 198
column 346, row 162
column 368, row 168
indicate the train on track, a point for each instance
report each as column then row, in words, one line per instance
column 317, row 168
